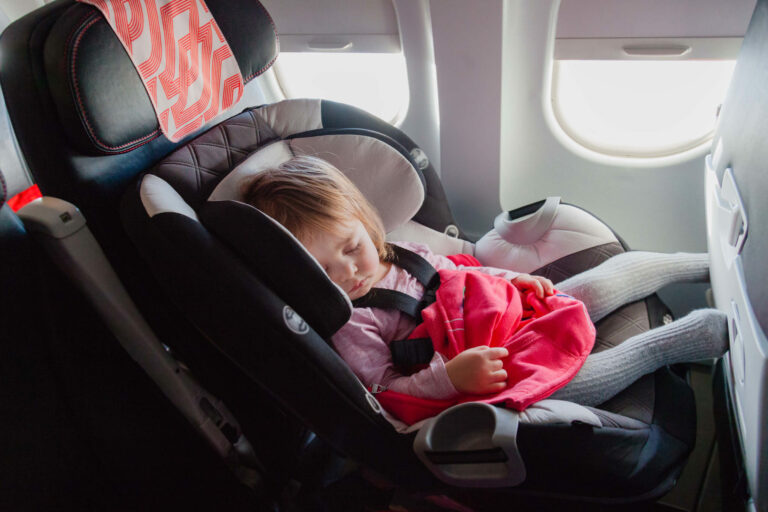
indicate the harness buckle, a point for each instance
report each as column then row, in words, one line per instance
column 430, row 293
column 377, row 388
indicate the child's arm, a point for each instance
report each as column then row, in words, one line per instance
column 478, row 370
column 540, row 285
column 361, row 343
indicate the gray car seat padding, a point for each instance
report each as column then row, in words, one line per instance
column 382, row 174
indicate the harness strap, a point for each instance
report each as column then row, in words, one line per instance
column 419, row 268
column 408, row 353
column 390, row 299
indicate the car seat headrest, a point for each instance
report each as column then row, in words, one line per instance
column 203, row 180
column 269, row 251
column 97, row 91
column 281, row 262
column 384, row 176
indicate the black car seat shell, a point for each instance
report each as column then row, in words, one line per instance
column 236, row 337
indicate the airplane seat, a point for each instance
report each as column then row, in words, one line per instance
column 81, row 431
column 216, row 298
column 75, row 155
column 736, row 188
column 42, row 445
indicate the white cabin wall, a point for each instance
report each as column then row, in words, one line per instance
column 467, row 37
column 422, row 121
column 654, row 203
column 479, row 76
column 494, row 66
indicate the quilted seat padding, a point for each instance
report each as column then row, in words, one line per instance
column 197, row 167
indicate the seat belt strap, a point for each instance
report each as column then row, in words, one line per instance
column 409, row 353
column 416, row 265
column 419, row 268
column 390, row 299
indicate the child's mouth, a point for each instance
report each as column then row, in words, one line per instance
column 357, row 286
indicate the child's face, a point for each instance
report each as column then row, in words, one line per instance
column 348, row 256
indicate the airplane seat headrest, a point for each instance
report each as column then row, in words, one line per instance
column 104, row 107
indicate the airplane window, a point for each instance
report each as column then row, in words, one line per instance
column 375, row 82
column 639, row 108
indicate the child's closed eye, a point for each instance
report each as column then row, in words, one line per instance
column 354, row 249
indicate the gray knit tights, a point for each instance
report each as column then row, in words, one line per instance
column 625, row 278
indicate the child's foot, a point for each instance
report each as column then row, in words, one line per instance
column 712, row 329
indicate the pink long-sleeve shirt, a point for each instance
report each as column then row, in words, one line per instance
column 364, row 340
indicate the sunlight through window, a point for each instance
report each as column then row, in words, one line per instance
column 639, row 108
column 375, row 82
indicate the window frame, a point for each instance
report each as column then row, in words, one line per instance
column 635, row 49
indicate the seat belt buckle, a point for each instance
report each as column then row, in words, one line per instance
column 377, row 388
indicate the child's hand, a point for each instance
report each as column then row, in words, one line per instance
column 478, row 370
column 540, row 285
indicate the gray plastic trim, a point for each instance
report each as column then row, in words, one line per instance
column 746, row 363
column 529, row 229
column 472, row 429
column 73, row 248
column 52, row 217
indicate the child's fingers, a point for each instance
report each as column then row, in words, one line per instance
column 497, row 352
column 496, row 387
column 549, row 288
column 499, row 376
column 538, row 288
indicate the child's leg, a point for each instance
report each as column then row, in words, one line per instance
column 699, row 335
column 630, row 276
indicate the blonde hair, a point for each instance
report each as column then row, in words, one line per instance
column 307, row 194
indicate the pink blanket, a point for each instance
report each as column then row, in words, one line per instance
column 548, row 339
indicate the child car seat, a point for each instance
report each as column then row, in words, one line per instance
column 242, row 336
column 736, row 231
